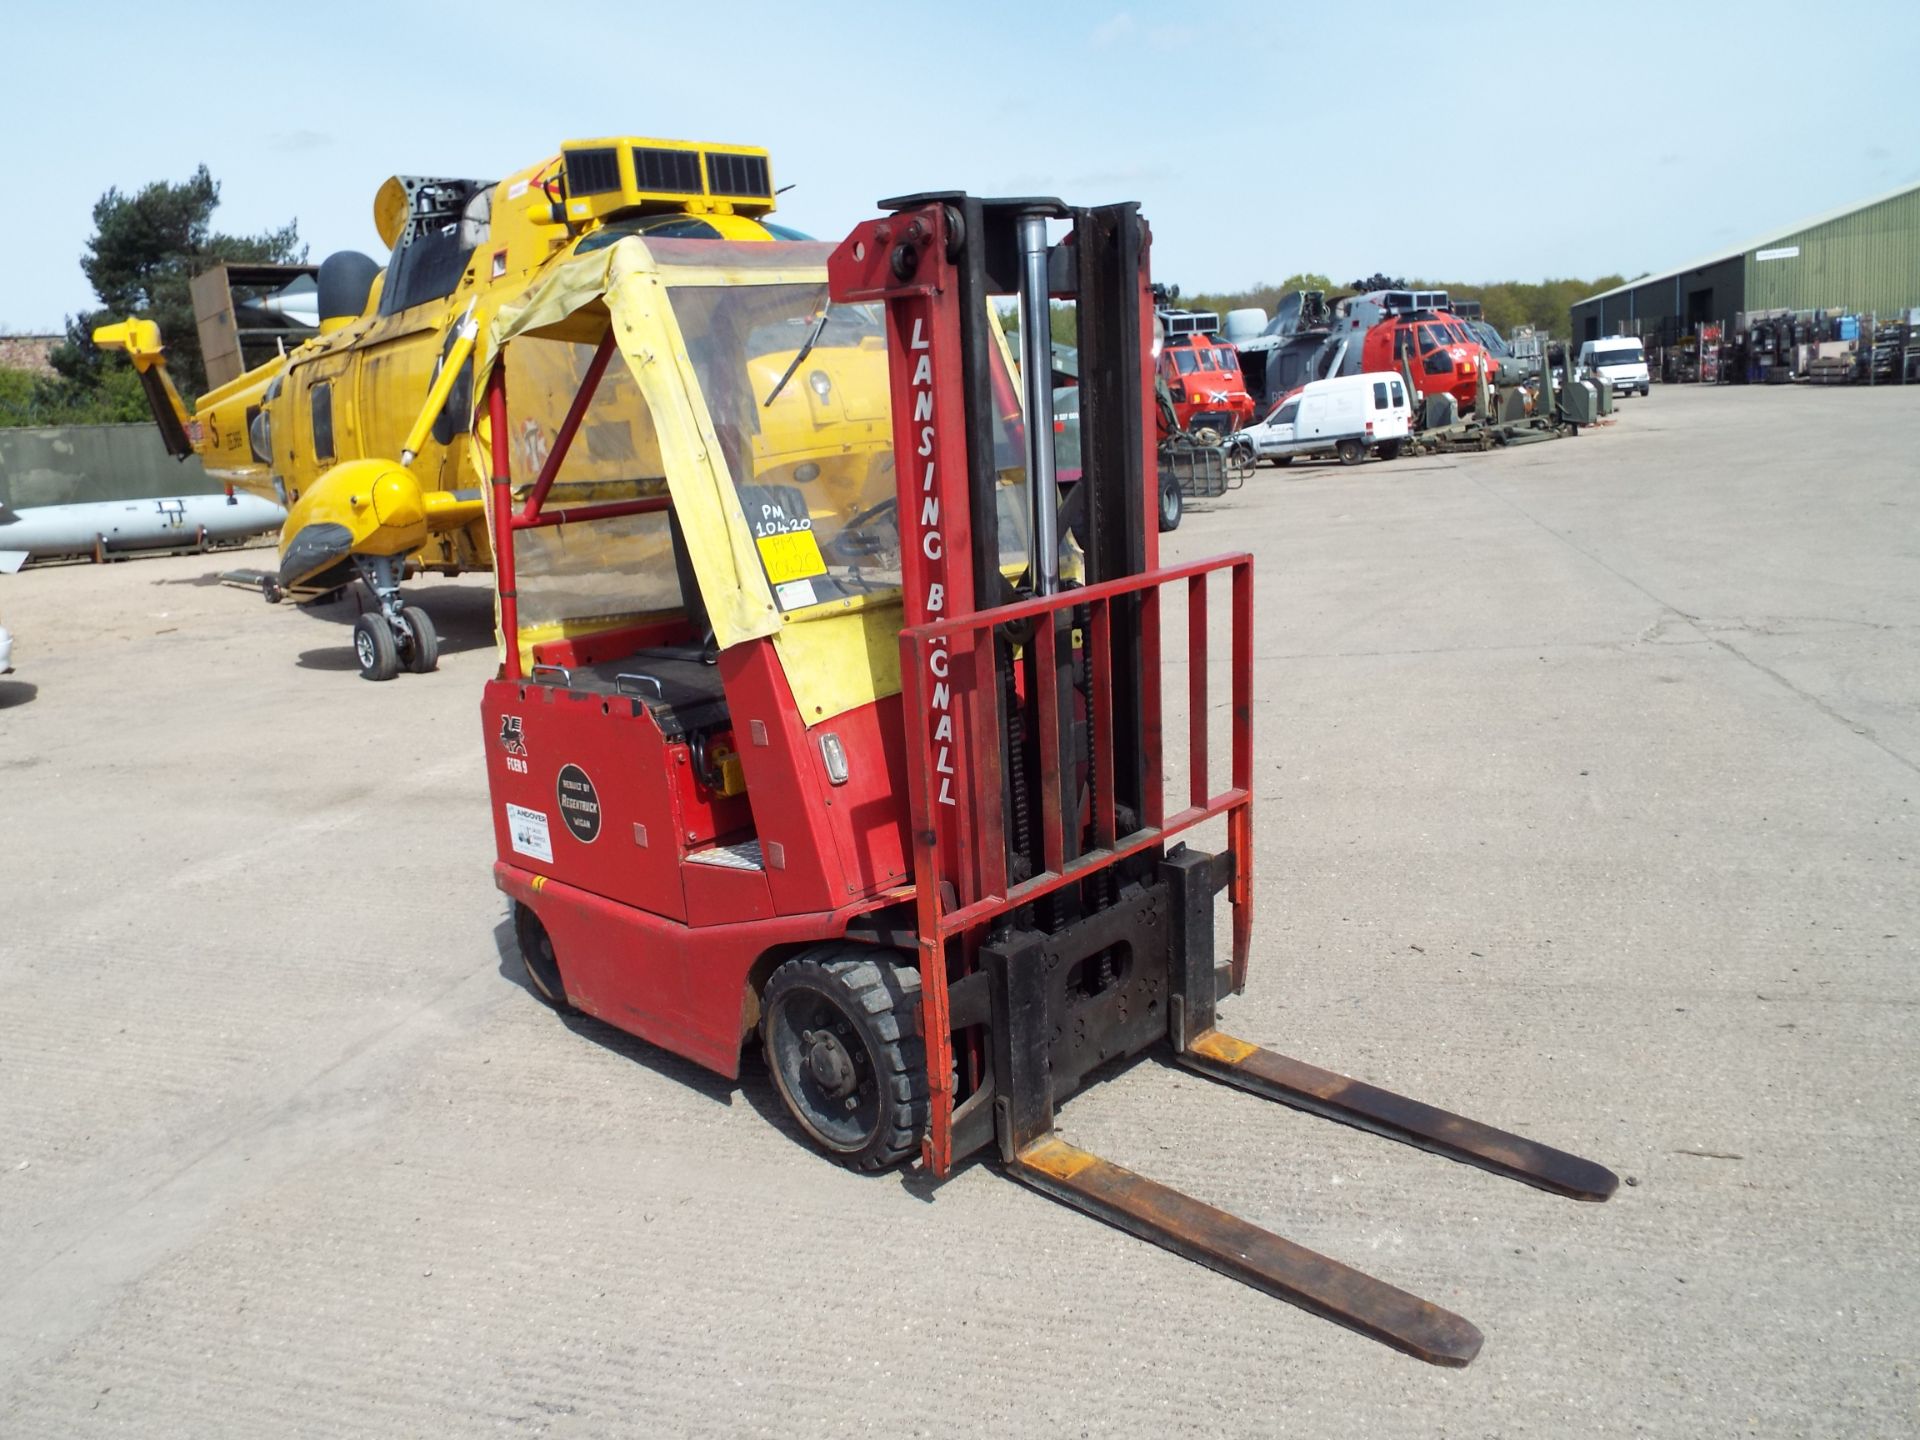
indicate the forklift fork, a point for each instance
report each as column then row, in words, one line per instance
column 1025, row 1024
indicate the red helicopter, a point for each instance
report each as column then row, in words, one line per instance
column 1202, row 374
column 1415, row 331
column 1387, row 326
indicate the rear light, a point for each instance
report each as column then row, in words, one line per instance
column 835, row 756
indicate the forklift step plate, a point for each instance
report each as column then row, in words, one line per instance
column 1256, row 1257
column 1356, row 1103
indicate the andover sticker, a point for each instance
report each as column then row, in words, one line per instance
column 528, row 831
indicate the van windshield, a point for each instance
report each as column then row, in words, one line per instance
column 1619, row 355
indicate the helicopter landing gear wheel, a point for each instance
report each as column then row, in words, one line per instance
column 536, row 954
column 838, row 1026
column 374, row 647
column 423, row 647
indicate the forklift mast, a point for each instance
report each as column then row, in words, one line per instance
column 1033, row 706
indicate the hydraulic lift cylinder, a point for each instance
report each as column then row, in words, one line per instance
column 1036, row 378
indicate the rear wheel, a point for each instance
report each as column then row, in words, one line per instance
column 374, row 648
column 1390, row 450
column 1172, row 506
column 839, row 1025
column 1351, row 452
column 536, row 954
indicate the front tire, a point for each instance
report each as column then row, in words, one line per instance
column 374, row 647
column 839, row 1025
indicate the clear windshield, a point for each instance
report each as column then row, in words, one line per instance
column 1620, row 355
column 811, row 459
column 610, row 568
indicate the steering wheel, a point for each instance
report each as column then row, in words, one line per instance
column 862, row 548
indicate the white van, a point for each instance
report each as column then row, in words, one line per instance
column 1347, row 416
column 1618, row 360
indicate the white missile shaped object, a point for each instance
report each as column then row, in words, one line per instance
column 105, row 527
column 297, row 303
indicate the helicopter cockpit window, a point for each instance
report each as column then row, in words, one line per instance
column 1432, row 337
column 260, row 433
column 605, row 569
column 321, row 401
column 1186, row 360
column 654, row 227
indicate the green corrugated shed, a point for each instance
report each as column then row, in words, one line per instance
column 1866, row 260
column 1863, row 259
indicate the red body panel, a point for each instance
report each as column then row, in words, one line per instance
column 869, row 812
column 682, row 989
column 633, row 858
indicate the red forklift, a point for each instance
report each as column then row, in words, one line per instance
column 843, row 729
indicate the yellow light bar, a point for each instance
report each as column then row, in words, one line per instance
column 628, row 172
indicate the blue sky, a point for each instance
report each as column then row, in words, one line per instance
column 1261, row 138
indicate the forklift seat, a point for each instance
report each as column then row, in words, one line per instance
column 681, row 690
column 677, row 686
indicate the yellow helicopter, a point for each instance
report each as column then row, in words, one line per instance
column 364, row 430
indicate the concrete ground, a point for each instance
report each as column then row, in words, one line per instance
column 1586, row 781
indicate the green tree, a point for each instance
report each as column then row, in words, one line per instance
column 27, row 398
column 146, row 246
